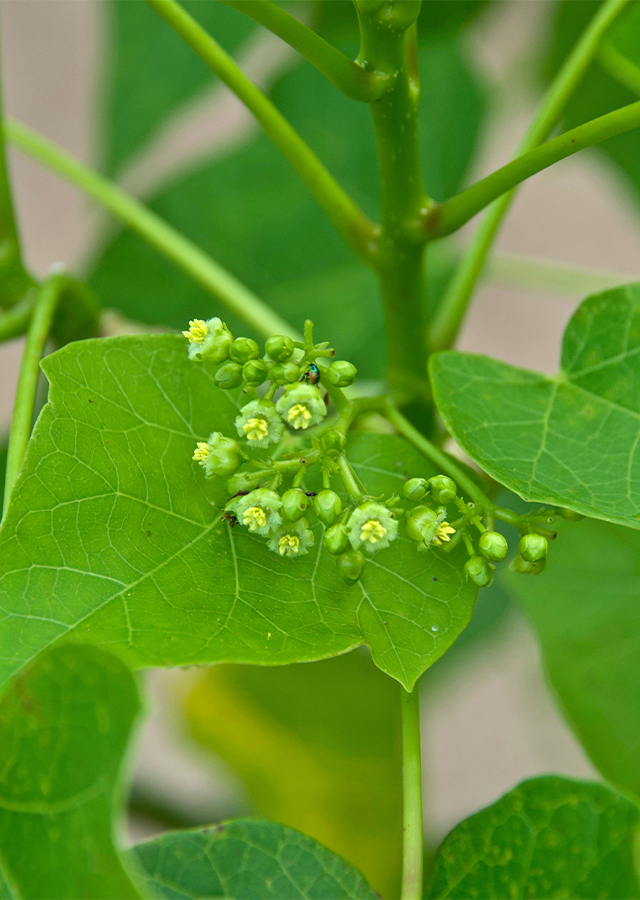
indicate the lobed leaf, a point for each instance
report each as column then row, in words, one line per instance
column 64, row 726
column 114, row 537
column 247, row 859
column 571, row 440
column 550, row 837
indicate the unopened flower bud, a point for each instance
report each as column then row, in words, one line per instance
column 478, row 571
column 285, row 373
column 415, row 489
column 336, row 539
column 340, row 373
column 255, row 372
column 493, row 546
column 243, row 349
column 524, row 567
column 571, row 516
column 533, row 547
column 279, row 347
column 328, row 506
column 294, row 504
column 228, row 376
column 351, row 566
column 333, row 441
column 443, row 489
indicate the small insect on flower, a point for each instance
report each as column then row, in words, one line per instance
column 371, row 527
column 312, row 375
column 292, row 539
column 259, row 510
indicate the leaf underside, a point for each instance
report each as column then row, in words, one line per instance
column 114, row 537
column 571, row 440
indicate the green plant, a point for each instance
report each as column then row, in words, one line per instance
column 289, row 495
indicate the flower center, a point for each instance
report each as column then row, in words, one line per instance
column 197, row 331
column 299, row 416
column 289, row 544
column 442, row 533
column 256, row 428
column 372, row 531
column 254, row 517
column 201, row 452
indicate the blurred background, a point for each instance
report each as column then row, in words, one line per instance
column 489, row 720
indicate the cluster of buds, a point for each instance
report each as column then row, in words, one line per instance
column 269, row 499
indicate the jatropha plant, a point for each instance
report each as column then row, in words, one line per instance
column 186, row 500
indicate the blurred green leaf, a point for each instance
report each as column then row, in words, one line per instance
column 114, row 536
column 586, row 614
column 571, row 439
column 151, row 72
column 550, row 837
column 64, row 727
column 317, row 748
column 245, row 859
column 250, row 211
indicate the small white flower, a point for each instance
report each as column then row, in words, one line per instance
column 292, row 540
column 259, row 423
column 258, row 511
column 301, row 406
column 372, row 527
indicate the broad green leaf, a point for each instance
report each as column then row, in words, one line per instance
column 571, row 439
column 64, row 725
column 252, row 213
column 587, row 618
column 151, row 72
column 247, row 859
column 550, row 837
column 113, row 535
column 317, row 748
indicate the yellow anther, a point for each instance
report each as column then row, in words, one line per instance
column 289, row 544
column 201, row 452
column 256, row 428
column 197, row 332
column 254, row 517
column 442, row 533
column 372, row 531
column 299, row 416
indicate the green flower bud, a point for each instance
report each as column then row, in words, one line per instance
column 478, row 571
column 493, row 546
column 443, row 489
column 292, row 539
column 241, row 481
column 285, row 373
column 571, row 516
column 219, row 455
column 415, row 489
column 228, row 376
column 533, row 547
column 524, row 567
column 372, row 526
column 351, row 566
column 208, row 340
column 294, row 504
column 336, row 539
column 255, row 372
column 279, row 347
column 259, row 423
column 259, row 511
column 422, row 523
column 301, row 406
column 333, row 441
column 340, row 373
column 243, row 349
column 328, row 506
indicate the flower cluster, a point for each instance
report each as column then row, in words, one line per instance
column 269, row 498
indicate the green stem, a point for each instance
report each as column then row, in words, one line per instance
column 15, row 321
column 453, row 214
column 547, row 275
column 459, row 291
column 187, row 256
column 348, row 478
column 352, row 79
column 388, row 43
column 412, row 849
column 349, row 221
column 24, row 403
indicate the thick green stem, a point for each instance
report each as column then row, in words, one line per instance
column 458, row 295
column 24, row 403
column 412, row 849
column 15, row 321
column 187, row 256
column 388, row 43
column 452, row 215
column 348, row 220
column 352, row 79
